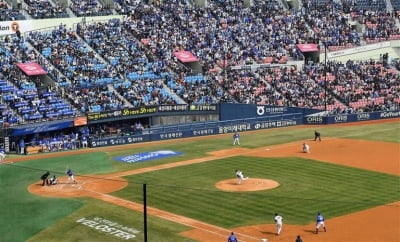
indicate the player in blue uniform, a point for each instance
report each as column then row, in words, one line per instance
column 236, row 137
column 71, row 176
column 232, row 238
column 320, row 222
column 2, row 154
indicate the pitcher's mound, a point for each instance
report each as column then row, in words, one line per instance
column 252, row 184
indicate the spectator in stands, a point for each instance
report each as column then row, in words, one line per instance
column 7, row 13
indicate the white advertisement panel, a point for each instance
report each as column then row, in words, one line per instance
column 358, row 49
column 11, row 27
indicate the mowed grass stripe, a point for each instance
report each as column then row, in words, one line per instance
column 307, row 186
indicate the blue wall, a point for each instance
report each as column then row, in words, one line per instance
column 230, row 111
column 347, row 118
column 205, row 128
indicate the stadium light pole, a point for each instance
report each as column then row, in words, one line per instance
column 144, row 213
column 326, row 79
column 225, row 48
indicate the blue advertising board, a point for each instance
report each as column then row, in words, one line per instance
column 231, row 111
column 190, row 130
column 121, row 140
column 347, row 118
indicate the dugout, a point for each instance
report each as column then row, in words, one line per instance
column 309, row 51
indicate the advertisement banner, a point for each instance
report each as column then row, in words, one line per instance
column 173, row 108
column 358, row 49
column 227, row 127
column 347, row 118
column 203, row 107
column 315, row 120
column 6, row 144
column 80, row 121
column 231, row 111
column 126, row 112
column 11, row 27
column 118, row 141
column 221, row 127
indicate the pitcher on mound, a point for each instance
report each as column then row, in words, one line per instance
column 240, row 176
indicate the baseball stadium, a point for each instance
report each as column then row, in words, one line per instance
column 187, row 120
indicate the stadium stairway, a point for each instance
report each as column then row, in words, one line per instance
column 126, row 103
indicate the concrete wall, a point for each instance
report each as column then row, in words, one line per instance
column 6, row 27
column 373, row 51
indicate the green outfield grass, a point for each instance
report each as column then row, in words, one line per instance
column 307, row 186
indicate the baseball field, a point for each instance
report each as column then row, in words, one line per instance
column 352, row 177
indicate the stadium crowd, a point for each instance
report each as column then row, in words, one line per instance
column 129, row 63
column 8, row 13
column 40, row 9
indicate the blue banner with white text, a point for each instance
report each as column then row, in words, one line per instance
column 231, row 111
column 347, row 118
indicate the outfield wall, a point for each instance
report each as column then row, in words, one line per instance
column 230, row 118
column 348, row 118
column 203, row 129
column 239, row 125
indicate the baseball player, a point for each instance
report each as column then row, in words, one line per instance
column 306, row 148
column 320, row 222
column 236, row 137
column 71, row 176
column 317, row 135
column 232, row 238
column 53, row 180
column 240, row 176
column 2, row 154
column 279, row 222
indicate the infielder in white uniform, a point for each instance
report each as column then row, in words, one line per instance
column 2, row 156
column 240, row 176
column 279, row 222
column 306, row 148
